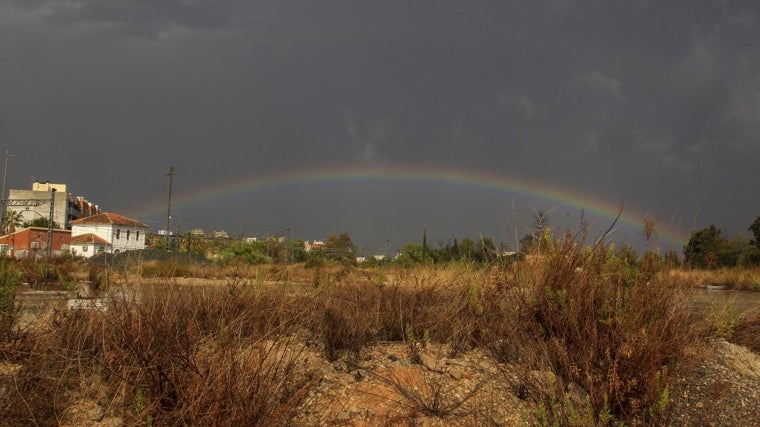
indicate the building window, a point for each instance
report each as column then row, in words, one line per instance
column 128, row 234
column 85, row 248
column 137, row 235
column 118, row 234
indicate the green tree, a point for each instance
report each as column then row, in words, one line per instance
column 755, row 229
column 467, row 249
column 745, row 253
column 340, row 247
column 155, row 241
column 709, row 248
column 252, row 253
column 424, row 244
column 276, row 249
column 194, row 243
column 296, row 250
column 11, row 220
column 410, row 254
column 41, row 222
column 752, row 256
column 448, row 251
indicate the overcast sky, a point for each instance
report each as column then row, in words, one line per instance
column 655, row 103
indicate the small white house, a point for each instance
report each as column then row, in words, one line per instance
column 87, row 245
column 106, row 232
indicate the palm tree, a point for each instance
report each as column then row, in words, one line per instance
column 11, row 220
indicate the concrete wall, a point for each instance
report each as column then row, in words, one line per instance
column 65, row 208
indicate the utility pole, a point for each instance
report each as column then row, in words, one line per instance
column 169, row 205
column 5, row 173
column 50, row 223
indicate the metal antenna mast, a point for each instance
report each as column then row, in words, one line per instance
column 169, row 205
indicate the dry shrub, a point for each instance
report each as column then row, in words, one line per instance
column 171, row 355
column 581, row 321
column 357, row 315
column 53, row 272
column 10, row 278
column 54, row 360
column 209, row 356
column 422, row 307
column 428, row 393
column 590, row 338
column 747, row 334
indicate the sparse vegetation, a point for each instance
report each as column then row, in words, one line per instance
column 9, row 310
column 585, row 333
column 581, row 317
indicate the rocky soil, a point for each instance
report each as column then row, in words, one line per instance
column 394, row 384
column 723, row 389
column 388, row 388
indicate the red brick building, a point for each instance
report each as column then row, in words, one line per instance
column 33, row 241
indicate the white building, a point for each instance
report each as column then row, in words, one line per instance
column 106, row 232
column 66, row 207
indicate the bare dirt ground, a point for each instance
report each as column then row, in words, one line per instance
column 387, row 388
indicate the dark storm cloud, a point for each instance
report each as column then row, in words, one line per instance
column 139, row 17
column 646, row 98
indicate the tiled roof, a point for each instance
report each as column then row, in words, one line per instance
column 87, row 238
column 109, row 218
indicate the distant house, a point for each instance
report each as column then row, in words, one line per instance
column 220, row 235
column 33, row 242
column 106, row 232
column 316, row 245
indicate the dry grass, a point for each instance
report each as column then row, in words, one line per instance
column 171, row 355
column 747, row 334
column 581, row 321
column 589, row 338
column 736, row 278
column 427, row 394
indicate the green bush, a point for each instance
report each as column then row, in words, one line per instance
column 252, row 253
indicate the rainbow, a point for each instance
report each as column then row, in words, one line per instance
column 592, row 206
